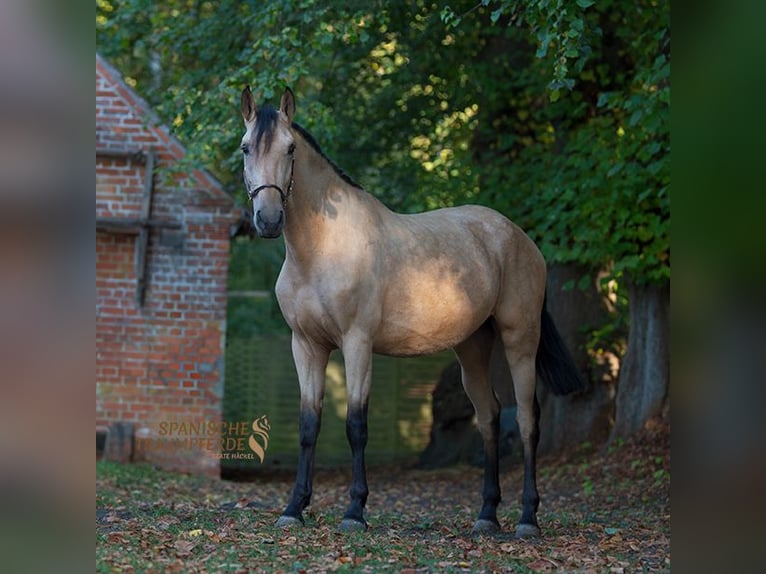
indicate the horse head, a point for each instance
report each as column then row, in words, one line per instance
column 268, row 149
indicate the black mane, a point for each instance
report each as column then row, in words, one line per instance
column 265, row 121
column 312, row 142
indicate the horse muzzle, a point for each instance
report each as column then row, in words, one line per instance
column 269, row 226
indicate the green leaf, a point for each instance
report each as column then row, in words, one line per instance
column 635, row 117
column 615, row 169
column 544, row 40
column 603, row 99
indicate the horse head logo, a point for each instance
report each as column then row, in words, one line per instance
column 261, row 428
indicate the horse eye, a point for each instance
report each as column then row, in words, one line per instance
column 244, row 149
column 291, row 149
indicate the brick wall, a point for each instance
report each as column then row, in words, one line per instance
column 161, row 361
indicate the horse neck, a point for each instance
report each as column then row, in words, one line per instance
column 317, row 204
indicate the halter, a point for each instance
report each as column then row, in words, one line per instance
column 284, row 196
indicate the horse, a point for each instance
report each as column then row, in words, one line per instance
column 363, row 279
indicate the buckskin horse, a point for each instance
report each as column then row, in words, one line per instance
column 363, row 279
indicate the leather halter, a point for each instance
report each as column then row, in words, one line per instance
column 282, row 194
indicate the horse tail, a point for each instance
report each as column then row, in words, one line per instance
column 554, row 363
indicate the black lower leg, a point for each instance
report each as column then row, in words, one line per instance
column 309, row 431
column 530, row 500
column 356, row 431
column 491, row 489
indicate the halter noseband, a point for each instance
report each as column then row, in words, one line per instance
column 284, row 196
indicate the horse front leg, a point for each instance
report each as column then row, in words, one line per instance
column 311, row 364
column 357, row 354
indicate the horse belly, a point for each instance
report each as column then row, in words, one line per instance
column 422, row 322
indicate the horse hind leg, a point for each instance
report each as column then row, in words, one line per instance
column 474, row 356
column 520, row 349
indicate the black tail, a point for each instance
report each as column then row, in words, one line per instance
column 554, row 364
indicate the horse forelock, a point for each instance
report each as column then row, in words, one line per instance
column 265, row 122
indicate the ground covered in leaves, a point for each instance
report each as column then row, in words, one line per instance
column 603, row 510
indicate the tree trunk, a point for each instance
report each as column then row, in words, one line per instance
column 642, row 390
column 571, row 420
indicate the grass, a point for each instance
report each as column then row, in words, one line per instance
column 602, row 511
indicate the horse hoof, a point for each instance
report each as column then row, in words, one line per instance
column 484, row 526
column 527, row 531
column 288, row 522
column 351, row 525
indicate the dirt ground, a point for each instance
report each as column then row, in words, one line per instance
column 604, row 509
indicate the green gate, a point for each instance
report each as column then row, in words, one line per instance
column 261, row 380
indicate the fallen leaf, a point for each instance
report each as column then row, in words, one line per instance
column 116, row 537
column 542, row 565
column 184, row 547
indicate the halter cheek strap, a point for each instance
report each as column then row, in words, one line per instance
column 282, row 194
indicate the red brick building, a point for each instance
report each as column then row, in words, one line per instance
column 162, row 253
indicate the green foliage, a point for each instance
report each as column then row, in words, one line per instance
column 254, row 266
column 590, row 173
column 555, row 113
column 558, row 26
column 191, row 60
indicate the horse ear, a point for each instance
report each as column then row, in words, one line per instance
column 287, row 105
column 249, row 109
